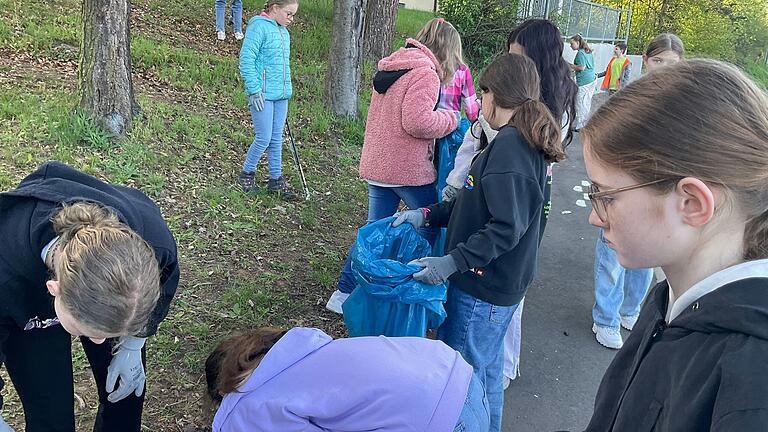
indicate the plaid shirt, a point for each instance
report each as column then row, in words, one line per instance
column 461, row 89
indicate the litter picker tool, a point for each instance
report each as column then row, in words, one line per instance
column 296, row 159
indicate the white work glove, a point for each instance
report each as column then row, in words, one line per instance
column 4, row 426
column 126, row 364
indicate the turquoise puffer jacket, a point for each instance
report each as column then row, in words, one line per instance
column 265, row 59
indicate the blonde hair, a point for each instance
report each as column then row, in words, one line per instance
column 700, row 118
column 279, row 3
column 108, row 275
column 442, row 38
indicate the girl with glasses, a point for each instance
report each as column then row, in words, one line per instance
column 685, row 187
column 619, row 292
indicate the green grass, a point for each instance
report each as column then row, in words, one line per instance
column 247, row 260
column 758, row 71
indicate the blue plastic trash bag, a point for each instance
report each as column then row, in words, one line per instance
column 446, row 149
column 387, row 300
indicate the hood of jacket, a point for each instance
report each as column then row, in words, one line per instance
column 58, row 183
column 412, row 56
column 295, row 345
column 264, row 18
column 739, row 305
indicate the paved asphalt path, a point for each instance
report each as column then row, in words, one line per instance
column 561, row 363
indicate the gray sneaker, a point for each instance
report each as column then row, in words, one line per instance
column 247, row 181
column 280, row 187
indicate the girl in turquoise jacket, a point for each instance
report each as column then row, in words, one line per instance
column 266, row 71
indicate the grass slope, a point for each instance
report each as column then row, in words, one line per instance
column 246, row 261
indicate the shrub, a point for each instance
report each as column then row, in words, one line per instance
column 483, row 25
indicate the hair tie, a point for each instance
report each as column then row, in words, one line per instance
column 440, row 21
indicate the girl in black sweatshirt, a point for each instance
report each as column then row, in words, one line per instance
column 85, row 258
column 492, row 239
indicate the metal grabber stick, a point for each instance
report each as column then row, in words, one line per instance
column 296, row 159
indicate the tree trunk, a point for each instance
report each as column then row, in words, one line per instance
column 379, row 28
column 105, row 84
column 345, row 64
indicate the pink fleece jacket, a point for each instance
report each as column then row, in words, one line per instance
column 402, row 123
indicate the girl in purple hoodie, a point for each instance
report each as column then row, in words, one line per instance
column 302, row 380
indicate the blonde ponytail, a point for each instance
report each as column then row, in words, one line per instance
column 74, row 217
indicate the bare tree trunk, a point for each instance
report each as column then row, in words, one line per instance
column 345, row 64
column 379, row 28
column 105, row 84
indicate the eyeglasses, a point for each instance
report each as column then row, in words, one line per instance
column 597, row 197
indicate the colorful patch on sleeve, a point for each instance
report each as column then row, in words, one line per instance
column 469, row 183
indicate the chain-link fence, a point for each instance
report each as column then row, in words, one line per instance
column 595, row 22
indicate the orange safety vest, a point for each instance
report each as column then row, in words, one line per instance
column 607, row 79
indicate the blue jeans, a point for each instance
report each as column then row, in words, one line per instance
column 618, row 291
column 476, row 329
column 382, row 203
column 268, row 125
column 237, row 15
column 474, row 416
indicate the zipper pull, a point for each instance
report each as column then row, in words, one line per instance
column 660, row 326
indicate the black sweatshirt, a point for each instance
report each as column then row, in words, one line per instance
column 494, row 222
column 707, row 370
column 25, row 229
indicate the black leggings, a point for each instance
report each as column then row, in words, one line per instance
column 39, row 363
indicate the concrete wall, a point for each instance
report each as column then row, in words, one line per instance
column 425, row 5
column 602, row 53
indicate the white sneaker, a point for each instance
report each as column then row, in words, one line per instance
column 239, row 36
column 221, row 35
column 337, row 299
column 608, row 337
column 628, row 322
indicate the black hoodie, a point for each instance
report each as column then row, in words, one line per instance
column 493, row 224
column 25, row 229
column 707, row 370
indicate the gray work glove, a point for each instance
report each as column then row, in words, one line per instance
column 417, row 218
column 4, row 426
column 436, row 270
column 450, row 192
column 257, row 100
column 126, row 364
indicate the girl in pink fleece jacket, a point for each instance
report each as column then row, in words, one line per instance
column 398, row 147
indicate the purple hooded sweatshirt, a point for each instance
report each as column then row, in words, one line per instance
column 310, row 382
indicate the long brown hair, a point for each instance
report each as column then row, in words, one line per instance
column 235, row 359
column 514, row 82
column 108, row 275
column 700, row 118
column 442, row 38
